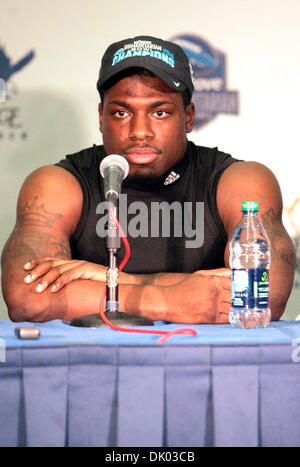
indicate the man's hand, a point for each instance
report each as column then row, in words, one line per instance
column 200, row 297
column 55, row 273
column 209, row 298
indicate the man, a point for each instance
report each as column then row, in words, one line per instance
column 54, row 260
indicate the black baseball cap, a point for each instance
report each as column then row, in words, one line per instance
column 165, row 59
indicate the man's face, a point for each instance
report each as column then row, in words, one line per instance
column 145, row 121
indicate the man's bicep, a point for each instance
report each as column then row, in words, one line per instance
column 250, row 181
column 282, row 247
column 48, row 209
column 50, row 200
column 247, row 181
column 49, row 206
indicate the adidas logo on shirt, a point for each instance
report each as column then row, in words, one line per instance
column 171, row 178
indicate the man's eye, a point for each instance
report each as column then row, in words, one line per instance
column 161, row 113
column 120, row 113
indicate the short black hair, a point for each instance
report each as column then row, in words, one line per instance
column 186, row 96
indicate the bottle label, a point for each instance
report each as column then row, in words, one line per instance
column 250, row 288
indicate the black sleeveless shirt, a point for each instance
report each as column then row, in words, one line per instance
column 192, row 181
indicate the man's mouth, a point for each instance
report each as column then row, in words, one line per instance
column 141, row 156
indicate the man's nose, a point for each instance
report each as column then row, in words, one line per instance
column 140, row 127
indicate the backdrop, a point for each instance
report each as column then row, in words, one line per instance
column 246, row 59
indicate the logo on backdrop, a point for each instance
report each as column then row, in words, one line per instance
column 211, row 95
column 11, row 127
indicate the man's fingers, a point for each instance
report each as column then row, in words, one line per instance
column 36, row 261
column 82, row 270
column 224, row 300
column 222, row 318
column 56, row 273
column 223, row 283
column 47, row 272
column 226, row 296
column 67, row 277
column 37, row 270
column 222, row 272
column 40, row 266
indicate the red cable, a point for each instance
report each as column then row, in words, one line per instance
column 165, row 334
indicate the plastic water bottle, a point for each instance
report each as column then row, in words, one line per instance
column 250, row 260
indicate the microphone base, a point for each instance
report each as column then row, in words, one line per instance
column 115, row 317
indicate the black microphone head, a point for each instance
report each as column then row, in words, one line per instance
column 114, row 160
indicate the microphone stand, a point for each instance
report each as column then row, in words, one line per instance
column 112, row 313
column 112, row 246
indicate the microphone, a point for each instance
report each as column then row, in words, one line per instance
column 114, row 169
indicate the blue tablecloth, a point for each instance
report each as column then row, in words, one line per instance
column 99, row 387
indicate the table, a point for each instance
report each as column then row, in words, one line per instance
column 100, row 387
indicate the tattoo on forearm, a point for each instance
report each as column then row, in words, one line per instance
column 62, row 250
column 31, row 244
column 278, row 250
column 35, row 214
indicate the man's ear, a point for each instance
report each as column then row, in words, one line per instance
column 189, row 117
column 100, row 111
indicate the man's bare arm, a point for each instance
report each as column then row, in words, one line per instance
column 45, row 220
column 283, row 263
column 251, row 181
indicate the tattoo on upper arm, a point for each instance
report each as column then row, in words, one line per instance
column 33, row 244
column 279, row 250
column 35, row 214
column 29, row 244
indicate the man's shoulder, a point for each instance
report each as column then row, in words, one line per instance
column 247, row 180
column 250, row 178
column 51, row 177
column 251, row 169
